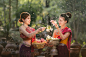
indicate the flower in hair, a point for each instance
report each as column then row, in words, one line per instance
column 67, row 15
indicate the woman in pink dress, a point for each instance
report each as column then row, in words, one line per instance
column 28, row 35
column 64, row 34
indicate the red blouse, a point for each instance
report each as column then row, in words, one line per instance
column 29, row 30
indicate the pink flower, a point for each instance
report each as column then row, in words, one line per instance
column 42, row 40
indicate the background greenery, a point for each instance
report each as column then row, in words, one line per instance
column 42, row 11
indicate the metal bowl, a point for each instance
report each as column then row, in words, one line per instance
column 55, row 41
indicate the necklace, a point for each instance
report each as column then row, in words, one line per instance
column 25, row 26
column 61, row 30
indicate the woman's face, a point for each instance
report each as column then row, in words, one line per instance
column 61, row 21
column 27, row 20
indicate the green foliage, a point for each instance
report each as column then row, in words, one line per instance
column 77, row 9
column 84, row 43
column 32, row 8
column 82, row 38
column 15, row 35
column 6, row 30
column 39, row 12
column 72, row 41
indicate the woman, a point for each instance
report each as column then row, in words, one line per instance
column 64, row 34
column 28, row 35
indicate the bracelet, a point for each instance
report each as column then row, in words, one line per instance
column 40, row 29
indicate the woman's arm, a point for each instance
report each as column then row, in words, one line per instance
column 29, row 35
column 66, row 35
column 54, row 32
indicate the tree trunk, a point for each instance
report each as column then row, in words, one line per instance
column 16, row 10
column 4, row 14
column 47, row 5
column 74, row 23
column 10, row 12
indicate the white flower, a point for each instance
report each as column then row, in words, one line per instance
column 67, row 15
column 51, row 29
column 51, row 37
column 48, row 36
column 47, row 30
column 54, row 23
column 48, row 27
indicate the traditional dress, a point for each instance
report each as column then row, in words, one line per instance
column 64, row 46
column 26, row 49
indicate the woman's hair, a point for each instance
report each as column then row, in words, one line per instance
column 66, row 16
column 23, row 15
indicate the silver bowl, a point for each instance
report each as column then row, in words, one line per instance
column 54, row 51
column 55, row 41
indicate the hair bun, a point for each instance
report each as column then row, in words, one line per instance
column 68, row 14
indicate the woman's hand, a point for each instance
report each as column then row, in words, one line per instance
column 41, row 29
column 54, row 23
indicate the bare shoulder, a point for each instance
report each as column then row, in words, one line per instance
column 21, row 28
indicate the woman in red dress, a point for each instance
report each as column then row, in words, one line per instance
column 64, row 34
column 28, row 35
